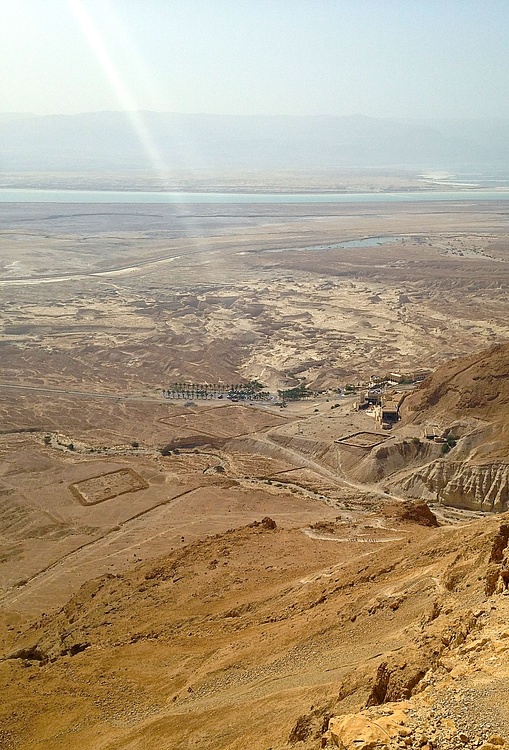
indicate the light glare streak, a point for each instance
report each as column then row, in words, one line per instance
column 122, row 93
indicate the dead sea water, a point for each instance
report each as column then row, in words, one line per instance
column 20, row 195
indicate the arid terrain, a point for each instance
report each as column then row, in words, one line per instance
column 213, row 574
column 124, row 296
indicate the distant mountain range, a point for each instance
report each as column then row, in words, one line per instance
column 166, row 141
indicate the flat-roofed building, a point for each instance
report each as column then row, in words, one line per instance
column 387, row 413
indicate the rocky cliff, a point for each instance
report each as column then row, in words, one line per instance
column 474, row 386
column 475, row 487
column 469, row 399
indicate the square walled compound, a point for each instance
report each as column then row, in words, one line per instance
column 363, row 439
column 107, row 486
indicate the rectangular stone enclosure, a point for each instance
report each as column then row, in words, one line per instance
column 363, row 439
column 107, row 486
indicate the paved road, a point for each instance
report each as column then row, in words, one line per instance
column 82, row 394
column 113, row 271
column 127, row 397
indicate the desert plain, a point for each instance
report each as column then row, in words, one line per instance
column 104, row 306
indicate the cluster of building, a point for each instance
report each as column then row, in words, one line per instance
column 385, row 403
column 385, row 406
column 399, row 378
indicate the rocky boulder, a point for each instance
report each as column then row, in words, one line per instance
column 367, row 729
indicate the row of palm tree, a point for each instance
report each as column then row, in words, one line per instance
column 183, row 389
column 295, row 394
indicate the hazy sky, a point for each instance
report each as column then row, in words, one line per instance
column 387, row 58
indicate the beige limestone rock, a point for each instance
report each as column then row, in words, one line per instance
column 365, row 731
column 459, row 484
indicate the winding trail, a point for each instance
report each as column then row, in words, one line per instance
column 298, row 458
column 83, row 555
column 353, row 539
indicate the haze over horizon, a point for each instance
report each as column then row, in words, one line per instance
column 390, row 59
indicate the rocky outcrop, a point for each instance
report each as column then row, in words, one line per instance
column 473, row 386
column 367, row 729
column 462, row 485
column 469, row 399
column 497, row 574
column 405, row 725
column 396, row 679
column 387, row 459
column 417, row 512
